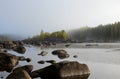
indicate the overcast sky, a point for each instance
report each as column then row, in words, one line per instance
column 28, row 17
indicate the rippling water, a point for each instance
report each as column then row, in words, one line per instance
column 103, row 62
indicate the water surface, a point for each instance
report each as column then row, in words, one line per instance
column 104, row 63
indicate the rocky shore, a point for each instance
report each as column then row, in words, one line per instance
column 57, row 70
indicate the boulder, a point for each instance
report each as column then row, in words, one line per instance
column 56, row 52
column 19, row 49
column 9, row 61
column 21, row 72
column 63, row 70
column 60, row 53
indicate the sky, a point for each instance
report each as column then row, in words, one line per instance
column 29, row 17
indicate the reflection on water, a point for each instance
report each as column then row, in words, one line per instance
column 103, row 63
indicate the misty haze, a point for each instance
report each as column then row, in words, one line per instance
column 65, row 39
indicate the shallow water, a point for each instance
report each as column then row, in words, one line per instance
column 104, row 63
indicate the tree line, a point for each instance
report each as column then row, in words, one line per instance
column 46, row 36
column 101, row 33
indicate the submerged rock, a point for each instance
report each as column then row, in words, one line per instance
column 21, row 72
column 63, row 70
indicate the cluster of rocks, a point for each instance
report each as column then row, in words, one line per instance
column 9, row 61
column 14, row 45
column 60, row 70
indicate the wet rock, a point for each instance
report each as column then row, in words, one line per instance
column 75, row 56
column 51, row 61
column 28, row 59
column 63, row 70
column 60, row 53
column 56, row 52
column 7, row 61
column 19, row 49
column 41, row 62
column 43, row 53
column 21, row 72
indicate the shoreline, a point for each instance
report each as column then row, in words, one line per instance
column 84, row 45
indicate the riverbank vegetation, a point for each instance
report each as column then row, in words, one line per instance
column 54, row 37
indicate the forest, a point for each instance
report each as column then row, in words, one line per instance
column 101, row 33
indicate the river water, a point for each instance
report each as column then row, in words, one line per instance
column 103, row 59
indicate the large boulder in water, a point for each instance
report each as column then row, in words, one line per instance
column 9, row 61
column 19, row 49
column 61, row 54
column 21, row 72
column 63, row 70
